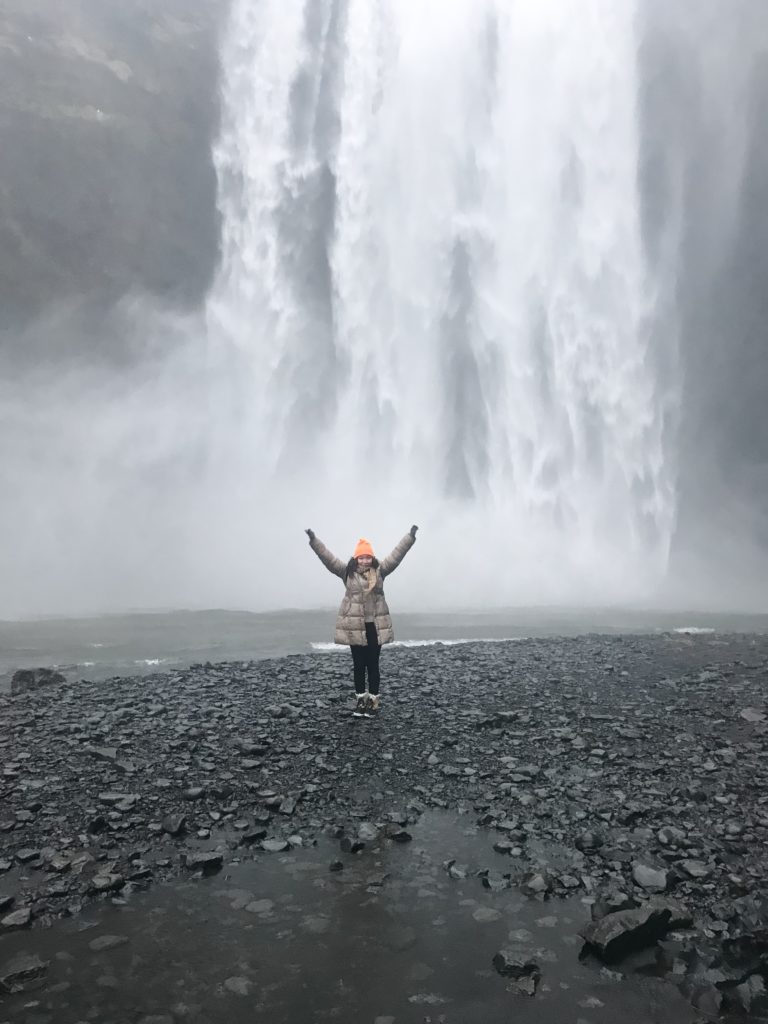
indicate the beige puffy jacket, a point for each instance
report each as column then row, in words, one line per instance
column 350, row 623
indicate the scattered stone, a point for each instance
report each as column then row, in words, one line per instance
column 696, row 868
column 589, row 841
column 20, row 968
column 122, row 801
column 26, row 855
column 106, row 942
column 649, row 878
column 29, row 679
column 401, row 836
column 175, row 824
column 616, row 935
column 671, row 836
column 207, row 862
column 260, row 907
column 107, row 882
column 16, row 919
column 238, row 986
column 754, row 715
column 485, row 914
column 108, row 754
column 649, row 780
column 524, row 972
column 275, row 845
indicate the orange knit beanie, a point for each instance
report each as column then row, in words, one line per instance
column 363, row 548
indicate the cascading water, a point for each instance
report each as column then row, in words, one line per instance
column 434, row 293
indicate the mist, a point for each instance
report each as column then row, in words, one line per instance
column 500, row 275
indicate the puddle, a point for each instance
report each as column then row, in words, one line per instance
column 391, row 938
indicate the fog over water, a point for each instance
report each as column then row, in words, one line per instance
column 497, row 269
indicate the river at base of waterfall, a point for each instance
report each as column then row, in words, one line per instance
column 99, row 647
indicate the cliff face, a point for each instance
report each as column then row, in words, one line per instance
column 107, row 109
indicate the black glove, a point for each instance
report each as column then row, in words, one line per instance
column 310, row 534
column 413, row 531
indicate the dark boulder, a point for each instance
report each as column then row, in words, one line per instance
column 615, row 936
column 28, row 679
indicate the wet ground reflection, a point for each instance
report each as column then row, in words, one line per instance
column 391, row 938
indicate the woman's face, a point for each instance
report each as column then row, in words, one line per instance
column 364, row 561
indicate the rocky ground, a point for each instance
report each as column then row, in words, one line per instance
column 631, row 772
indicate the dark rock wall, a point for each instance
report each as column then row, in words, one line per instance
column 107, row 110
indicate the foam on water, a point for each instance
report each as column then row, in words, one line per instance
column 329, row 647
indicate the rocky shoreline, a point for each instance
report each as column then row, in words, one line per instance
column 630, row 772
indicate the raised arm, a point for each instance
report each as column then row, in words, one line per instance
column 391, row 562
column 329, row 560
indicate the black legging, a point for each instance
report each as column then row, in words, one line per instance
column 367, row 657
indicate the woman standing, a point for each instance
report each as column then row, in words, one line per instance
column 364, row 622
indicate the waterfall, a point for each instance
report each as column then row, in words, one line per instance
column 434, row 290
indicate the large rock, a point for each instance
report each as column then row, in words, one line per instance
column 650, row 878
column 28, row 679
column 523, row 972
column 617, row 935
column 20, row 968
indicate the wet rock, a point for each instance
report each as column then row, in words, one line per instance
column 59, row 864
column 611, row 903
column 6, row 902
column 26, row 855
column 26, row 680
column 107, row 882
column 517, row 965
column 206, row 861
column 525, row 986
column 755, row 715
column 669, row 836
column 260, row 907
column 238, row 986
column 108, row 754
column 367, row 832
column 751, row 996
column 537, row 883
column 351, row 845
column 275, row 845
column 616, row 935
column 253, row 835
column 19, row 969
column 486, row 914
column 400, row 836
column 589, row 841
column 105, row 942
column 696, row 868
column 193, row 793
column 175, row 824
column 121, row 801
column 336, row 865
column 16, row 919
column 650, row 878
column 704, row 997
